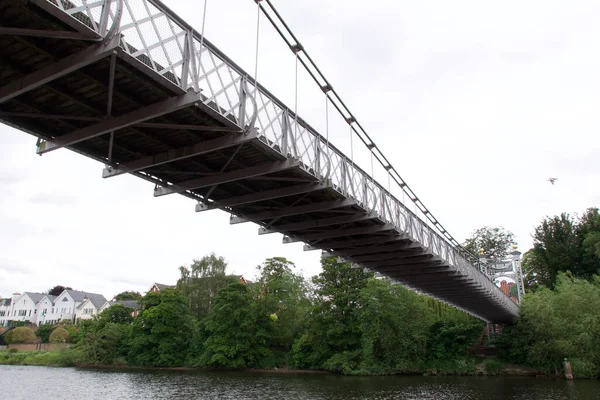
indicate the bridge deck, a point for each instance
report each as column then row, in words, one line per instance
column 76, row 92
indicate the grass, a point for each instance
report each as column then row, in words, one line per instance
column 62, row 358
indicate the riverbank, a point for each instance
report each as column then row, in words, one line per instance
column 68, row 358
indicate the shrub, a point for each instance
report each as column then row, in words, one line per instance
column 21, row 334
column 60, row 335
column 493, row 367
column 44, row 331
column 13, row 350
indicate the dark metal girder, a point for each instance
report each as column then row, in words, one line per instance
column 396, row 267
column 265, row 195
column 317, row 223
column 225, row 177
column 388, row 256
column 184, row 127
column 66, row 18
column 163, row 107
column 353, row 243
column 295, row 210
column 375, row 249
column 63, row 67
column 363, row 230
column 207, row 146
column 45, row 33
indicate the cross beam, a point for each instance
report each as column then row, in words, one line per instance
column 225, row 177
column 60, row 68
column 376, row 249
column 45, row 33
column 387, row 256
column 155, row 110
column 295, row 210
column 352, row 243
column 363, row 230
column 262, row 196
column 207, row 146
column 318, row 223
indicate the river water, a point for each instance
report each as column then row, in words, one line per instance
column 25, row 382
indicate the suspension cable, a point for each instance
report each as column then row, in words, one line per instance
column 286, row 33
column 256, row 53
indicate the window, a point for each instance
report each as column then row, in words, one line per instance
column 2, row 313
column 23, row 313
column 65, row 299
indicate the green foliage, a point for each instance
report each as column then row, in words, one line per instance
column 104, row 342
column 452, row 336
column 281, row 295
column 393, row 327
column 236, row 333
column 490, row 242
column 62, row 358
column 493, row 366
column 60, row 335
column 162, row 331
column 128, row 295
column 334, row 322
column 44, row 331
column 455, row 366
column 117, row 313
column 201, row 281
column 20, row 334
column 557, row 324
column 563, row 243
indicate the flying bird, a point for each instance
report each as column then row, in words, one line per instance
column 551, row 180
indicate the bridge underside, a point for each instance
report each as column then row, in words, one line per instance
column 78, row 92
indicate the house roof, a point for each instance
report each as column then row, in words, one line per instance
column 126, row 303
column 96, row 299
column 161, row 286
column 36, row 297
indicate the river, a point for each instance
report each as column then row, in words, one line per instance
column 25, row 382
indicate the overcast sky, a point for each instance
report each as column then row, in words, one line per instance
column 475, row 104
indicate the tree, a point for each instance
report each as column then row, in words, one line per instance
column 117, row 313
column 282, row 295
column 494, row 243
column 161, row 333
column 394, row 323
column 564, row 243
column 333, row 339
column 201, row 281
column 58, row 289
column 44, row 331
column 236, row 334
column 559, row 323
column 128, row 295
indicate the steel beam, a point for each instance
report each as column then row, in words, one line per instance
column 376, row 249
column 225, row 177
column 388, row 256
column 403, row 260
column 207, row 146
column 262, row 196
column 296, row 210
column 183, row 127
column 317, row 223
column 337, row 233
column 58, row 69
column 45, row 33
column 398, row 267
column 155, row 110
column 353, row 243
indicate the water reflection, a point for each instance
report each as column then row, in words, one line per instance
column 19, row 382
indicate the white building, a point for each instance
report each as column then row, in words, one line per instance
column 44, row 309
column 90, row 307
column 66, row 304
column 24, row 307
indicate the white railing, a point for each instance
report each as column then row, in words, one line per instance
column 153, row 35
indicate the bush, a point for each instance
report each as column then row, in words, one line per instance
column 13, row 350
column 493, row 367
column 44, row 331
column 21, row 334
column 60, row 335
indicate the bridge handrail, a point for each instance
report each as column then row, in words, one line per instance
column 154, row 35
